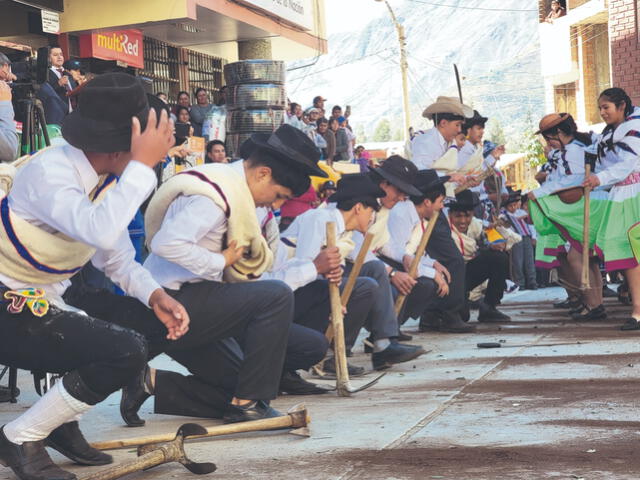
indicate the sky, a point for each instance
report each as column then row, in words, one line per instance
column 345, row 15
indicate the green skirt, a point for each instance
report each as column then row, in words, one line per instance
column 616, row 232
column 548, row 247
column 551, row 216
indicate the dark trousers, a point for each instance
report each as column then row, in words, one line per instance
column 259, row 312
column 381, row 319
column 489, row 265
column 97, row 357
column 421, row 297
column 177, row 394
column 312, row 306
column 442, row 249
column 523, row 263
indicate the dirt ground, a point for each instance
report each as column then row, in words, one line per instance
column 567, row 411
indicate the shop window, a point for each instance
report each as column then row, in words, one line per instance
column 162, row 66
column 205, row 71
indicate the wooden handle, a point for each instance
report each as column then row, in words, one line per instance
column 215, row 431
column 413, row 268
column 355, row 271
column 351, row 281
column 151, row 459
column 337, row 321
column 483, row 176
column 584, row 282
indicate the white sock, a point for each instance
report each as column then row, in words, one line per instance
column 380, row 345
column 55, row 407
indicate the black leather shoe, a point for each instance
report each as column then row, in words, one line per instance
column 30, row 461
column 256, row 410
column 568, row 304
column 69, row 441
column 608, row 292
column 452, row 323
column 294, row 384
column 330, row 369
column 395, row 353
column 490, row 314
column 631, row 324
column 586, row 313
column 133, row 396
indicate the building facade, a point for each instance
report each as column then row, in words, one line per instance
column 593, row 47
column 177, row 44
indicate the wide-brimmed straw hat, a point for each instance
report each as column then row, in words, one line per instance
column 448, row 105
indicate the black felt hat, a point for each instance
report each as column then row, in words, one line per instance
column 464, row 202
column 477, row 119
column 514, row 196
column 426, row 180
column 102, row 120
column 400, row 173
column 288, row 143
column 356, row 186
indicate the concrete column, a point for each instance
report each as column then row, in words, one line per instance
column 254, row 49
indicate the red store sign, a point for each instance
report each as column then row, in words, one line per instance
column 123, row 45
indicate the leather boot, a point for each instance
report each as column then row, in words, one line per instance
column 69, row 441
column 30, row 461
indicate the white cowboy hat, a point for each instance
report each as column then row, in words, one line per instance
column 448, row 105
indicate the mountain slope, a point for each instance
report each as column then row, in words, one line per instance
column 497, row 53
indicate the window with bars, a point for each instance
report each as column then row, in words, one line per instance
column 205, row 71
column 162, row 66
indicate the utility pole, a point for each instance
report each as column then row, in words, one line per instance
column 404, row 66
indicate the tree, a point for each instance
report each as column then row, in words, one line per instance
column 361, row 136
column 382, row 133
column 397, row 135
column 495, row 133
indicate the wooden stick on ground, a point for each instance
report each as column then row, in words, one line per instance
column 413, row 268
column 584, row 283
column 297, row 417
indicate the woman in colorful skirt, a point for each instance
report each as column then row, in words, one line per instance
column 557, row 211
column 619, row 168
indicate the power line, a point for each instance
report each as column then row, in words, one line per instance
column 475, row 8
column 343, row 63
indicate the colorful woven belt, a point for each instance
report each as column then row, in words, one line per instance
column 630, row 180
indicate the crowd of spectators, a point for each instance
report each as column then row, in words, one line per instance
column 331, row 133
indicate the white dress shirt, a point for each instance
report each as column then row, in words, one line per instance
column 295, row 272
column 403, row 219
column 309, row 233
column 427, row 148
column 188, row 246
column 52, row 193
column 465, row 153
column 67, row 86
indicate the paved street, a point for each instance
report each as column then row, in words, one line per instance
column 459, row 412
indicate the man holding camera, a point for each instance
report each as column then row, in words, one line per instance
column 8, row 135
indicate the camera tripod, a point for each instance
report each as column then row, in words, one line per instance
column 34, row 126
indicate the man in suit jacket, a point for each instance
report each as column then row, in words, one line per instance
column 59, row 81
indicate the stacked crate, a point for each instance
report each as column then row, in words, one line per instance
column 256, row 100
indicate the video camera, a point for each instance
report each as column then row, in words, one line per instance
column 31, row 72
